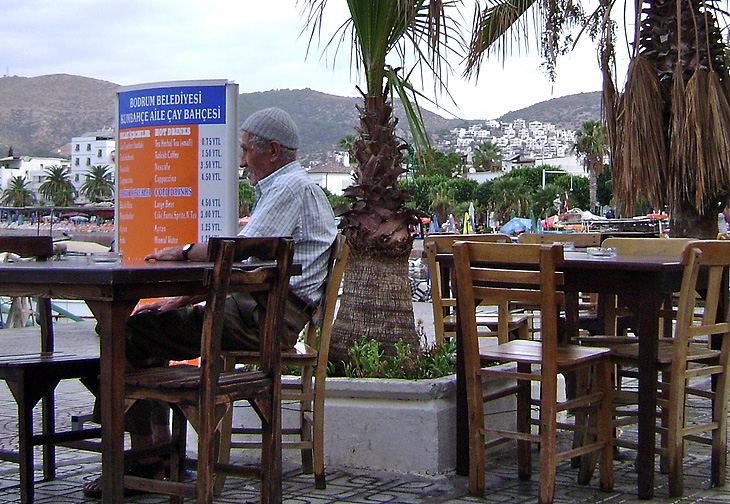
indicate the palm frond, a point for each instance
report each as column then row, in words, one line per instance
column 490, row 27
column 640, row 156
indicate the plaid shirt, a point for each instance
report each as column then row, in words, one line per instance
column 289, row 203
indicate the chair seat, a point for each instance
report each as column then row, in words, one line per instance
column 181, row 378
column 530, row 352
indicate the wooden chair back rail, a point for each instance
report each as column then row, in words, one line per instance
column 527, row 273
column 661, row 247
column 700, row 349
column 580, row 240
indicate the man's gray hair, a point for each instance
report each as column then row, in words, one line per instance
column 260, row 144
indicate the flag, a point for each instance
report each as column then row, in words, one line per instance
column 565, row 205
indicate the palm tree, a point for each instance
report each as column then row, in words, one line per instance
column 18, row 193
column 57, row 186
column 591, row 148
column 510, row 195
column 376, row 301
column 667, row 129
column 488, row 156
column 99, row 184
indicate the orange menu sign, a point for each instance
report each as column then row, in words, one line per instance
column 177, row 168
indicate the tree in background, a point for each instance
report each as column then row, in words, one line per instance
column 376, row 300
column 591, row 148
column 98, row 185
column 509, row 194
column 487, row 156
column 246, row 197
column 18, row 193
column 57, row 186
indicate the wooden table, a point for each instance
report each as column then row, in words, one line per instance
column 111, row 290
column 641, row 283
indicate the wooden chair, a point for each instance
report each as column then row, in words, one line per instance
column 310, row 357
column 33, row 377
column 202, row 395
column 580, row 240
column 444, row 302
column 699, row 351
column 528, row 273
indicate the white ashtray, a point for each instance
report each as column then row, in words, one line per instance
column 602, row 251
column 568, row 246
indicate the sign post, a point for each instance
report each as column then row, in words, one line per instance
column 177, row 166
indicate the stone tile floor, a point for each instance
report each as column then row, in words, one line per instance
column 343, row 484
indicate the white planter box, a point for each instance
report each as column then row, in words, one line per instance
column 391, row 425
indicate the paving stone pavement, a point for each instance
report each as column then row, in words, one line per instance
column 343, row 484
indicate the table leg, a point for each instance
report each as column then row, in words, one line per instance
column 111, row 318
column 647, row 330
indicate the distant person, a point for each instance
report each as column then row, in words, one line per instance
column 288, row 203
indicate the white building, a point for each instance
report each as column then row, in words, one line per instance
column 32, row 168
column 91, row 149
column 333, row 176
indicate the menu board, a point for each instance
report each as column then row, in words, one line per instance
column 177, row 165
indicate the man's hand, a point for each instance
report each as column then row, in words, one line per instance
column 161, row 305
column 168, row 254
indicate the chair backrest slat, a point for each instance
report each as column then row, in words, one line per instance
column 660, row 247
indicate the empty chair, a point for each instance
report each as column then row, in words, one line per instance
column 444, row 302
column 34, row 376
column 310, row 358
column 693, row 364
column 203, row 395
column 527, row 273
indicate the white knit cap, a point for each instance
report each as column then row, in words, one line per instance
column 273, row 124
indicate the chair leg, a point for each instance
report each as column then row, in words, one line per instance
column 271, row 457
column 719, row 435
column 226, row 431
column 49, row 427
column 318, row 442
column 524, row 457
column 605, row 425
column 548, row 443
column 25, row 444
column 177, row 457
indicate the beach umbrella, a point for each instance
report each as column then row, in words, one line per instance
column 433, row 227
column 468, row 228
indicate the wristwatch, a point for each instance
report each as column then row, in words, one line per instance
column 186, row 250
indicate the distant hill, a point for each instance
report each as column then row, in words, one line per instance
column 38, row 115
column 568, row 112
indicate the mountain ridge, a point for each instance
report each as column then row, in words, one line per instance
column 39, row 115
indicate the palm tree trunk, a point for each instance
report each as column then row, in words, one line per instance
column 687, row 222
column 375, row 304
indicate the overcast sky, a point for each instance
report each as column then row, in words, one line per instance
column 255, row 43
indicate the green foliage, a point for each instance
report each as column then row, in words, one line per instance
column 334, row 200
column 246, row 197
column 439, row 164
column 487, row 156
column 57, row 186
column 369, row 361
column 18, row 193
column 99, row 183
column 604, row 194
column 462, row 190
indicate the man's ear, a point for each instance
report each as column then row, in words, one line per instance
column 274, row 150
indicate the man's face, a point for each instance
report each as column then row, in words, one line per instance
column 258, row 162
